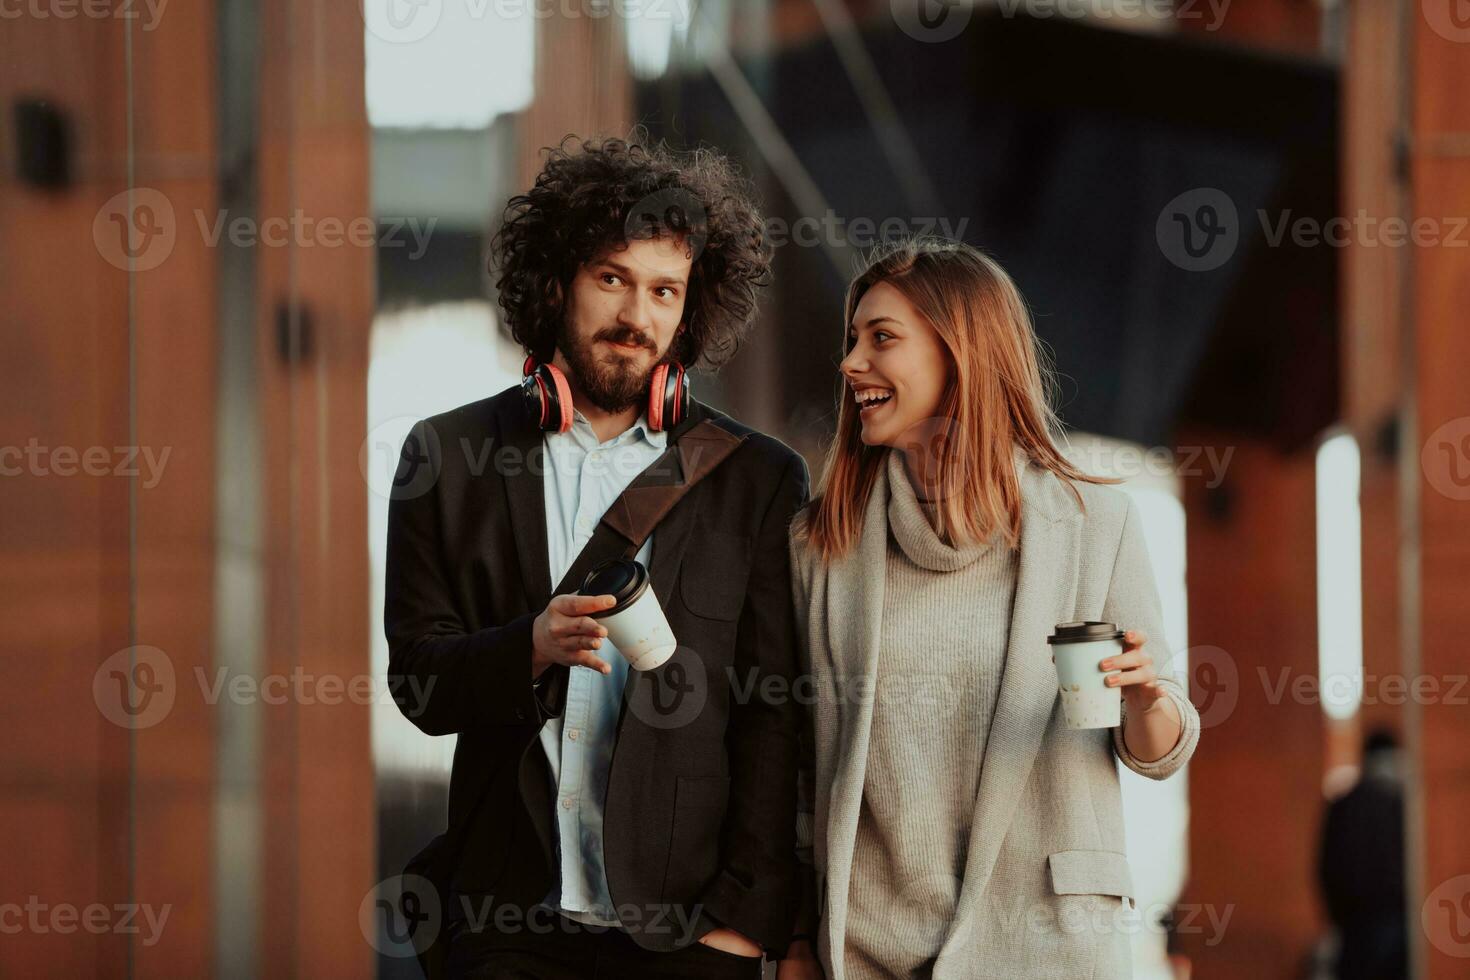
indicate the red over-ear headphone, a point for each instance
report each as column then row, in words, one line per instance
column 549, row 399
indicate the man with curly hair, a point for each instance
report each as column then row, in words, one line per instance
column 603, row 820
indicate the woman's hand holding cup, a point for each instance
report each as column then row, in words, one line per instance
column 1135, row 674
column 1154, row 726
column 564, row 633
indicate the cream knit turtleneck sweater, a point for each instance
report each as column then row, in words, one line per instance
column 946, row 619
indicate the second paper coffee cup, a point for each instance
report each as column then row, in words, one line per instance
column 1077, row 649
column 636, row 625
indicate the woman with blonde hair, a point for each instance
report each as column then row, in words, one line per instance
column 953, row 825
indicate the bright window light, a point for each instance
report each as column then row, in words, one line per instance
column 1155, row 813
column 424, row 361
column 1339, row 577
column 651, row 29
column 440, row 64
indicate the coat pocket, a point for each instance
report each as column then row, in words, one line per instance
column 694, row 839
column 712, row 578
column 1090, row 873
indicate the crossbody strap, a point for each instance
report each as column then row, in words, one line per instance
column 692, row 454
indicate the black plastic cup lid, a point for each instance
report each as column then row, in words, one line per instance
column 1085, row 632
column 621, row 578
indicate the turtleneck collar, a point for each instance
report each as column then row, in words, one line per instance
column 912, row 530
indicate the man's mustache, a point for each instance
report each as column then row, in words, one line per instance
column 627, row 335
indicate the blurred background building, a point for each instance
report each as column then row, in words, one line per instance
column 243, row 245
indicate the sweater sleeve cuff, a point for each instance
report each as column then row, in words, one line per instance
column 1176, row 757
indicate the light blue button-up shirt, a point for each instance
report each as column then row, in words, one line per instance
column 583, row 478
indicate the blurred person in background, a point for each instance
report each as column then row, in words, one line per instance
column 1361, row 867
column 947, row 805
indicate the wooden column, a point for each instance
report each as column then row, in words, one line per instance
column 1255, row 784
column 1437, row 462
column 315, row 310
column 107, row 535
column 174, row 392
column 1373, row 348
column 582, row 88
column 1408, row 149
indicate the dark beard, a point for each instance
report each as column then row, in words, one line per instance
column 613, row 387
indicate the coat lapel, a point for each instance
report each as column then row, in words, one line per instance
column 854, row 614
column 1046, row 585
column 525, row 496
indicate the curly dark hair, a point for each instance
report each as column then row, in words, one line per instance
column 592, row 196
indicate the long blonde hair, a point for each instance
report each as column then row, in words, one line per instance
column 998, row 395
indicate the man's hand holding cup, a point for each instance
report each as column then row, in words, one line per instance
column 565, row 633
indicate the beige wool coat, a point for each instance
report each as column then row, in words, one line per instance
column 1045, row 891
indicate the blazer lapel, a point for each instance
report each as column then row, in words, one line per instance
column 1046, row 583
column 525, row 496
column 854, row 614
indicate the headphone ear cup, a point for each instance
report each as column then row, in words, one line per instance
column 533, row 393
column 559, row 418
column 676, row 408
column 656, row 385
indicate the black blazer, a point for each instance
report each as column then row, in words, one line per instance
column 701, row 799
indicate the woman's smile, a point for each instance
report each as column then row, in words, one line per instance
column 872, row 399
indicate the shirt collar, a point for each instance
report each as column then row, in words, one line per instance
column 658, row 440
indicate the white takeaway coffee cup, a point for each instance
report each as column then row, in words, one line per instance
column 1077, row 649
column 636, row 625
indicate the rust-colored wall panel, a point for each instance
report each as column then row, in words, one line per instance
column 1254, row 819
column 1372, row 328
column 64, row 569
column 1441, row 284
column 319, row 810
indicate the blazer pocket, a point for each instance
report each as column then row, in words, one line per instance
column 1090, row 873
column 712, row 576
column 694, row 837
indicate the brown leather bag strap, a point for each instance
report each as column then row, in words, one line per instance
column 692, row 455
column 655, row 491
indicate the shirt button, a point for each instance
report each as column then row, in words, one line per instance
column 573, row 734
column 567, row 803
